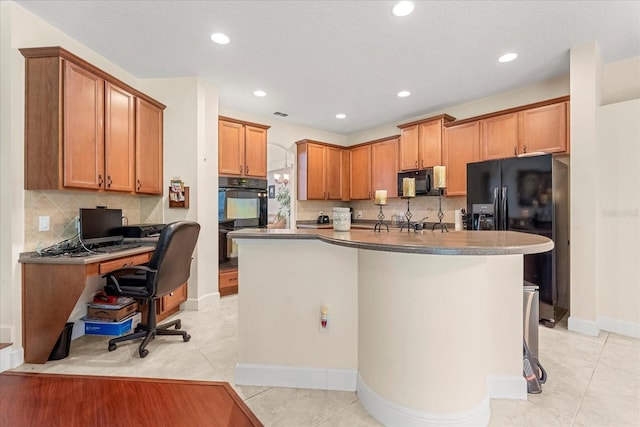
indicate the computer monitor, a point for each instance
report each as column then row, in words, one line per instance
column 100, row 225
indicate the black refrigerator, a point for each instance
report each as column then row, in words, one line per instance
column 530, row 195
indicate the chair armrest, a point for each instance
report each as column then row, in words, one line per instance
column 112, row 277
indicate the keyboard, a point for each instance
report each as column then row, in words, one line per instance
column 117, row 248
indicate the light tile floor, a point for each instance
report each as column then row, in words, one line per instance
column 592, row 381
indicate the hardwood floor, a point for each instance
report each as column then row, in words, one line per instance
column 30, row 399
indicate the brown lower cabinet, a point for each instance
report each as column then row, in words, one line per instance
column 228, row 281
column 167, row 305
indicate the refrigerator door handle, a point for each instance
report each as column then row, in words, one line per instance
column 503, row 209
column 496, row 216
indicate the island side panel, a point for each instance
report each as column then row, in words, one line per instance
column 505, row 313
column 423, row 332
column 283, row 285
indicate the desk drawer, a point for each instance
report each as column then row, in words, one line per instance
column 109, row 266
column 173, row 299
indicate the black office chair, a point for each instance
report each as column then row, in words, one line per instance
column 168, row 269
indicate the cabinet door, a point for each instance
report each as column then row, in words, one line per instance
column 430, row 144
column 544, row 129
column 255, row 152
column 461, row 146
column 230, row 148
column 360, row 173
column 148, row 148
column 119, row 139
column 384, row 167
column 409, row 150
column 83, row 128
column 499, row 137
column 333, row 168
column 316, row 172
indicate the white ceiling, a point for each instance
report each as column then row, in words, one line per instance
column 319, row 58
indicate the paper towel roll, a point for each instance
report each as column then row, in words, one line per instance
column 458, row 219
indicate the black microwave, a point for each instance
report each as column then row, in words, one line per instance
column 424, row 182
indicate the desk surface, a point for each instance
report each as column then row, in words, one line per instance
column 34, row 258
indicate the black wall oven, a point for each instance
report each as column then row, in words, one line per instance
column 242, row 203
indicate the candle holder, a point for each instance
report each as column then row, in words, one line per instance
column 442, row 225
column 380, row 223
column 407, row 215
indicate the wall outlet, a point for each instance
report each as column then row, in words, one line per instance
column 43, row 223
column 359, row 216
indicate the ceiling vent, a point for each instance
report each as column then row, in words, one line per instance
column 278, row 113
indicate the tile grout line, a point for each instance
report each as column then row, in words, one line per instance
column 586, row 390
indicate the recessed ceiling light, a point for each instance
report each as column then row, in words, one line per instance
column 404, row 93
column 508, row 57
column 260, row 93
column 219, row 38
column 341, row 116
column 403, row 8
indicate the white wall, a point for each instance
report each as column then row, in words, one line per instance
column 605, row 195
column 191, row 153
column 618, row 218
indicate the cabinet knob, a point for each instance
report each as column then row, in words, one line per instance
column 515, row 150
column 525, row 148
column 100, row 181
column 416, row 163
column 109, row 181
column 139, row 185
column 246, row 169
column 240, row 169
column 422, row 163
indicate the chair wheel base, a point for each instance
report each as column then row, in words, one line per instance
column 144, row 353
column 186, row 337
column 112, row 347
column 178, row 325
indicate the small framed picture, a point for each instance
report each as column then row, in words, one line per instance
column 272, row 191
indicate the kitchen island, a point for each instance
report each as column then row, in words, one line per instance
column 426, row 327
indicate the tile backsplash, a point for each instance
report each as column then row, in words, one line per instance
column 62, row 209
column 421, row 207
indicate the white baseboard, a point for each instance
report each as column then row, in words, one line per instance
column 507, row 387
column 296, row 377
column 583, row 326
column 195, row 304
column 621, row 327
column 391, row 414
column 609, row 324
column 11, row 358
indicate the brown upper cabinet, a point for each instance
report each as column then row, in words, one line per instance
column 384, row 166
column 149, row 125
column 421, row 142
column 360, row 172
column 461, row 146
column 321, row 171
column 83, row 127
column 242, row 148
column 541, row 128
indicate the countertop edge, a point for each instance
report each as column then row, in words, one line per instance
column 531, row 243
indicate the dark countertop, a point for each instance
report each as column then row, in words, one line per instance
column 147, row 244
column 422, row 242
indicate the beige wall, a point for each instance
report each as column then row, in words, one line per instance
column 605, row 195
